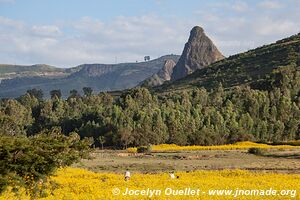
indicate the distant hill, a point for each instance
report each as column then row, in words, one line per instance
column 256, row 68
column 13, row 71
column 16, row 80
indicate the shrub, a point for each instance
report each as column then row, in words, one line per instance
column 28, row 161
column 255, row 151
column 144, row 149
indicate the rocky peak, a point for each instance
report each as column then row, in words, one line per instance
column 198, row 53
column 195, row 33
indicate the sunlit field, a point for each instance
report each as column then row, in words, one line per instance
column 238, row 145
column 74, row 183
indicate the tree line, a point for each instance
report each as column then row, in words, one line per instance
column 139, row 117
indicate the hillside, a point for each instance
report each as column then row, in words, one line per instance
column 13, row 71
column 256, row 68
column 100, row 77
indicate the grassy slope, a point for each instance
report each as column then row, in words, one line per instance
column 245, row 68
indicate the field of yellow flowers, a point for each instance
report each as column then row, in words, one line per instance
column 238, row 145
column 74, row 183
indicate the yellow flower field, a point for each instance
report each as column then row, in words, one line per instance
column 238, row 145
column 76, row 184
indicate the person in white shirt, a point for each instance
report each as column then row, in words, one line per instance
column 172, row 175
column 127, row 175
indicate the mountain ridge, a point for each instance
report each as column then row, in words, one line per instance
column 100, row 77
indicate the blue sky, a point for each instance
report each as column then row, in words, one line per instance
column 67, row 33
column 50, row 11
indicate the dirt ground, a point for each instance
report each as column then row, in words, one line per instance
column 275, row 160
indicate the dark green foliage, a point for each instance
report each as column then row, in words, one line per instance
column 55, row 94
column 87, row 91
column 37, row 93
column 256, row 151
column 138, row 118
column 292, row 143
column 144, row 149
column 74, row 93
column 27, row 161
column 15, row 119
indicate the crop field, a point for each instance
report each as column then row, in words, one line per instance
column 165, row 158
column 208, row 173
column 238, row 145
column 74, row 183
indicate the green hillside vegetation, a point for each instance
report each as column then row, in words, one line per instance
column 138, row 117
column 259, row 68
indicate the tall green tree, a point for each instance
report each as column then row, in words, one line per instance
column 87, row 91
column 55, row 94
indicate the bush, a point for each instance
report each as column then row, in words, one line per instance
column 255, row 151
column 144, row 149
column 28, row 161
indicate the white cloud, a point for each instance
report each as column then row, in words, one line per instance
column 267, row 27
column 88, row 25
column 129, row 38
column 235, row 6
column 240, row 6
column 91, row 40
column 5, row 23
column 46, row 31
column 270, row 4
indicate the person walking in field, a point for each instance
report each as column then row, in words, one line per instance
column 172, row 175
column 127, row 175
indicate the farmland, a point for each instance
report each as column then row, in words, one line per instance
column 74, row 183
column 214, row 168
column 274, row 160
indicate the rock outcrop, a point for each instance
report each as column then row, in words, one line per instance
column 198, row 53
column 161, row 76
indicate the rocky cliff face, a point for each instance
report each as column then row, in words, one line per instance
column 198, row 53
column 161, row 76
